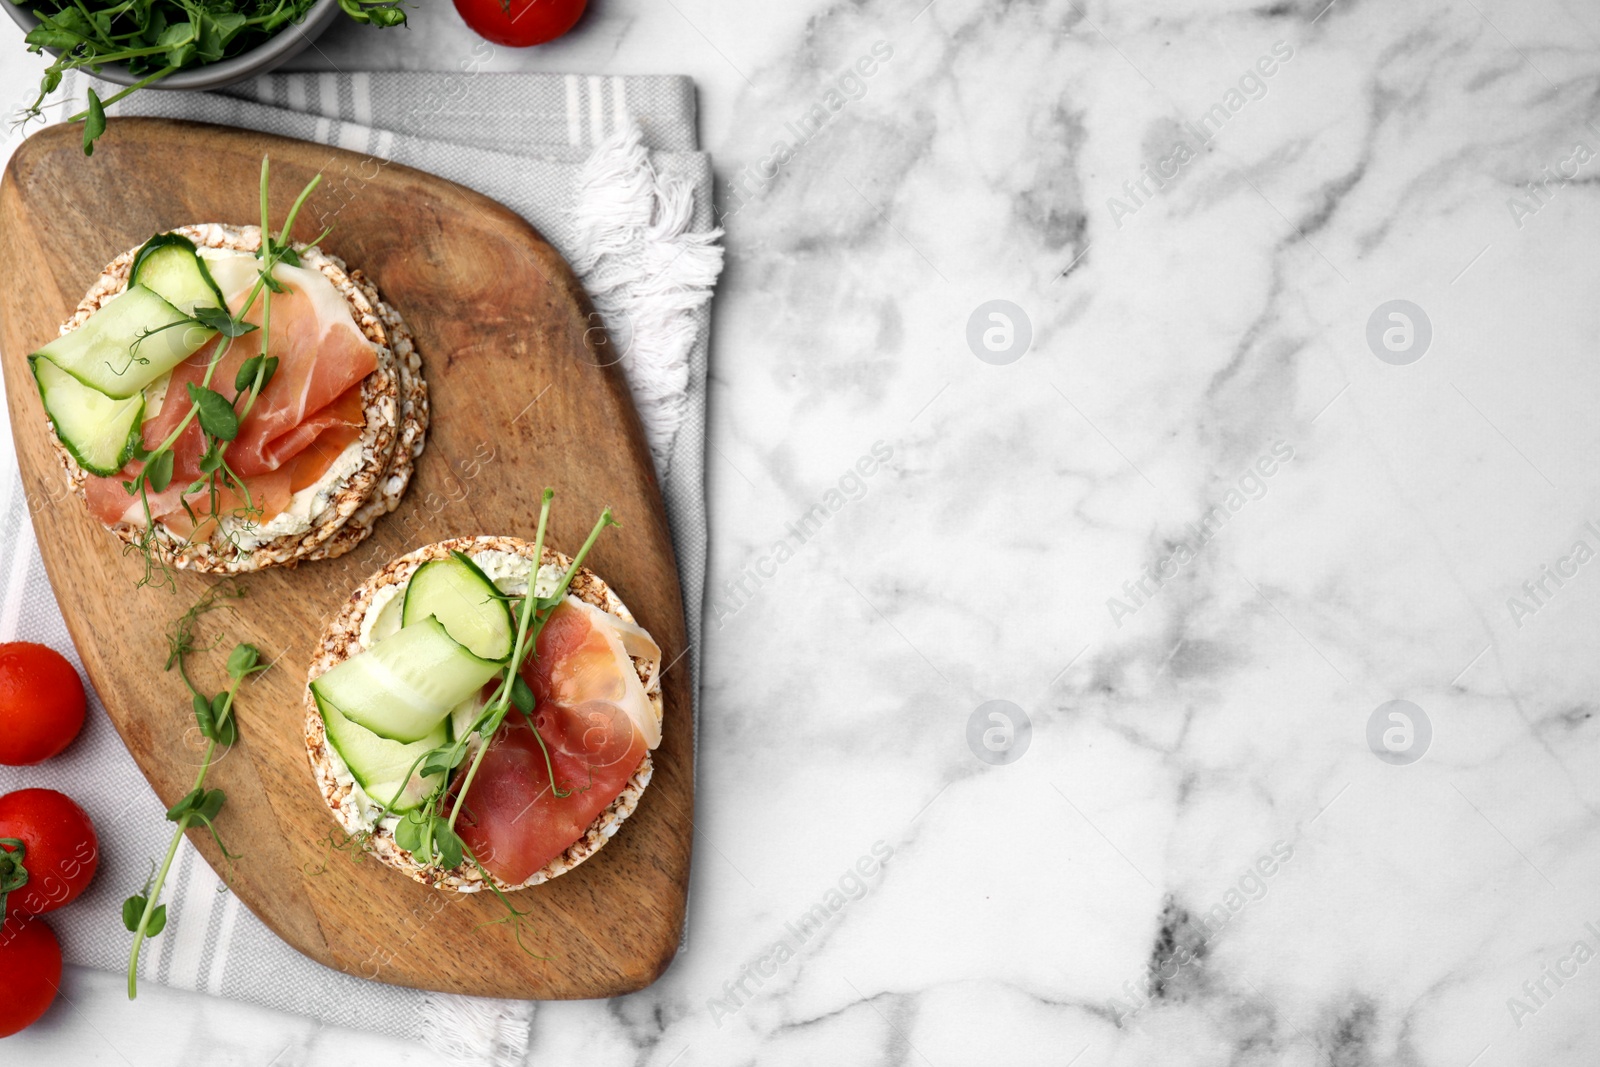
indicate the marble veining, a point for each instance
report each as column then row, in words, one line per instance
column 1219, row 845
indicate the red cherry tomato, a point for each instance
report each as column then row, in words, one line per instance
column 59, row 852
column 41, row 703
column 520, row 23
column 30, row 972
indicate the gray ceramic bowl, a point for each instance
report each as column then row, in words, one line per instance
column 271, row 53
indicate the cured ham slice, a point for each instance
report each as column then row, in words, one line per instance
column 321, row 355
column 594, row 718
column 322, row 359
column 314, row 444
column 583, row 658
column 269, row 495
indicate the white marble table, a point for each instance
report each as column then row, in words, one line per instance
column 1199, row 858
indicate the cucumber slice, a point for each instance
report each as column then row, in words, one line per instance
column 169, row 266
column 462, row 716
column 101, row 433
column 378, row 763
column 403, row 687
column 458, row 594
column 119, row 351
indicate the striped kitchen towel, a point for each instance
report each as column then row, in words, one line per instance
column 606, row 169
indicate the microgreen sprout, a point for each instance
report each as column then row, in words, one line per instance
column 427, row 831
column 220, row 418
column 157, row 38
column 214, row 715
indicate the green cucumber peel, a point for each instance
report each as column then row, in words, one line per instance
column 175, row 240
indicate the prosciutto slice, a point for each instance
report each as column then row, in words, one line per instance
column 595, row 720
column 322, row 359
column 269, row 495
column 315, row 443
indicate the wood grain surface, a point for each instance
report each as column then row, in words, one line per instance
column 523, row 397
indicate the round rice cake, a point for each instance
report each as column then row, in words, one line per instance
column 409, row 442
column 384, row 392
column 342, row 640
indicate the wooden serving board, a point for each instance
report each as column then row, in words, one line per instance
column 521, row 399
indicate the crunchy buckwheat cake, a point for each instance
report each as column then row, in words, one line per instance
column 536, row 849
column 335, row 510
column 412, row 395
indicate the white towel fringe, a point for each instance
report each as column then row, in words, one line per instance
column 476, row 1032
column 647, row 275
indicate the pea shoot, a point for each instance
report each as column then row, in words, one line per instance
column 219, row 416
column 428, row 831
column 157, row 38
column 214, row 715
